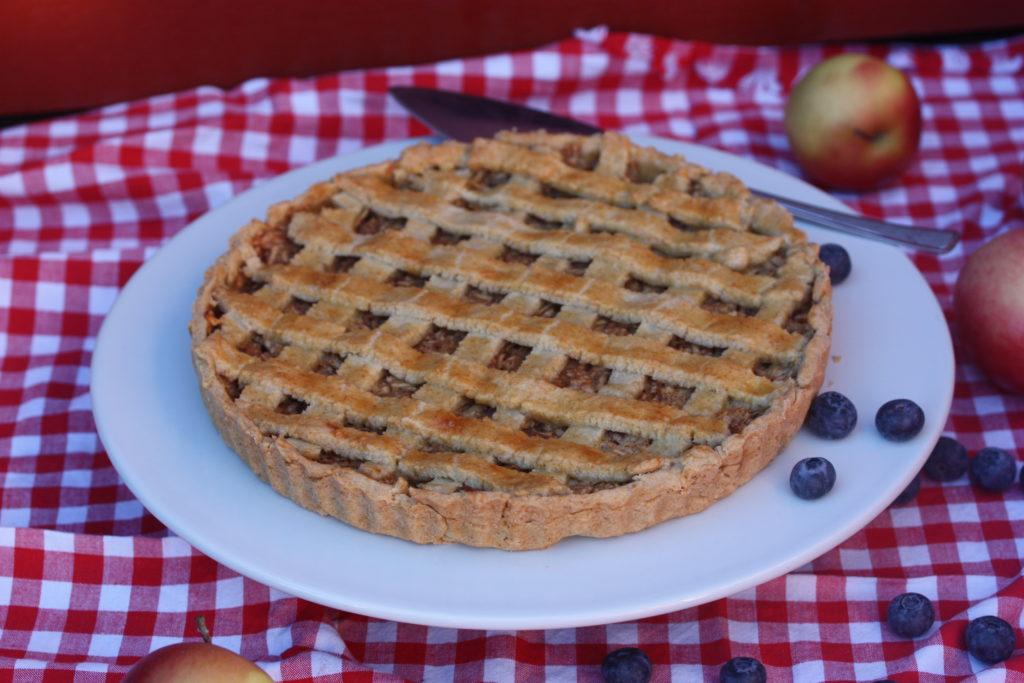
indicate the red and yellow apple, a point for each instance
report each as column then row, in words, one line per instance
column 853, row 122
column 989, row 307
column 195, row 663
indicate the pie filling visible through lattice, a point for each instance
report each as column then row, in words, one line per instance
column 508, row 342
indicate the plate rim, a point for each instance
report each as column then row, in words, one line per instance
column 399, row 613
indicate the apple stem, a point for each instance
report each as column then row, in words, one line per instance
column 201, row 627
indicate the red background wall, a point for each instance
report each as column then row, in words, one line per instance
column 69, row 54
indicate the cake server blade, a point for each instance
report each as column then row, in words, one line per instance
column 466, row 117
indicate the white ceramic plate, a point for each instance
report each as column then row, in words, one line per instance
column 890, row 340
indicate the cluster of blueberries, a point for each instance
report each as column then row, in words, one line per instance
column 632, row 665
column 833, row 416
column 990, row 639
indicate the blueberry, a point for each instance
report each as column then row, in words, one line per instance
column 743, row 670
column 990, row 639
column 948, row 460
column 832, row 415
column 909, row 493
column 626, row 665
column 911, row 615
column 993, row 469
column 812, row 478
column 899, row 420
column 838, row 261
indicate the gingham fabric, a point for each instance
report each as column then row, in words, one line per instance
column 90, row 582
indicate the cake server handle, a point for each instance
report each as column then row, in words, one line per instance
column 925, row 239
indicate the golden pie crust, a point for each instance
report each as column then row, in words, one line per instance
column 513, row 341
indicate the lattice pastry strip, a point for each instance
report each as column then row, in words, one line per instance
column 389, row 454
column 636, row 354
column 648, row 227
column 493, row 155
column 416, row 332
column 392, row 350
column 350, row 404
column 520, row 231
column 699, row 325
column 648, row 165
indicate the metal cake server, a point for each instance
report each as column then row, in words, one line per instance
column 465, row 117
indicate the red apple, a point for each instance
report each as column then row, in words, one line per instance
column 989, row 304
column 853, row 122
column 195, row 663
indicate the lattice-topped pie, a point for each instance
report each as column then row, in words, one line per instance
column 508, row 342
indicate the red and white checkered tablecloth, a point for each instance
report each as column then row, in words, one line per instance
column 90, row 581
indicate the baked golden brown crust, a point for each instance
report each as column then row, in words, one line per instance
column 668, row 328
